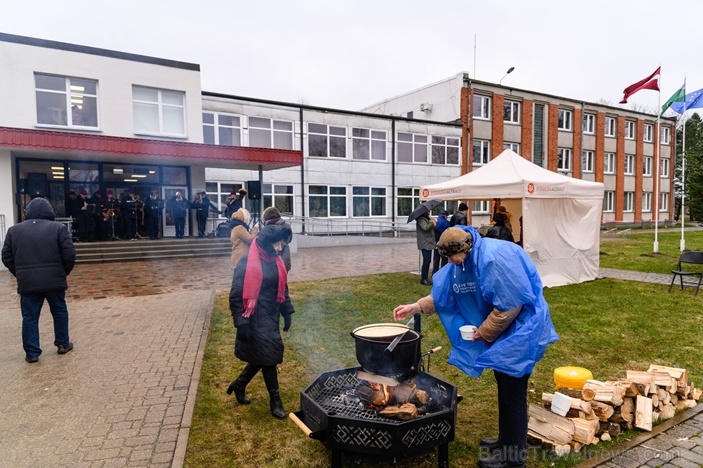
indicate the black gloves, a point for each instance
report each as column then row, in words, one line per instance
column 243, row 332
column 287, row 320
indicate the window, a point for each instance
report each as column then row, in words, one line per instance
column 666, row 135
column 648, row 133
column 280, row 196
column 221, row 129
column 587, row 161
column 482, row 106
column 609, row 201
column 408, row 199
column 511, row 112
column 589, row 124
column 629, row 164
column 368, row 144
column 664, row 167
column 515, row 147
column 218, row 192
column 480, row 206
column 368, row 201
column 647, row 166
column 66, row 102
column 609, row 163
column 610, row 126
column 646, row 202
column 412, row 147
column 629, row 202
column 565, row 117
column 482, row 152
column 159, row 111
column 664, row 201
column 629, row 130
column 445, row 150
column 564, row 159
column 268, row 133
column 326, row 140
column 326, row 202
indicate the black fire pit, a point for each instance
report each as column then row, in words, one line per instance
column 331, row 413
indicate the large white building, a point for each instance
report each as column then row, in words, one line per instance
column 74, row 117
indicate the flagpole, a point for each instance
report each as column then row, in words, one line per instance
column 682, row 245
column 656, row 179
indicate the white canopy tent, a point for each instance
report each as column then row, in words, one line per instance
column 561, row 216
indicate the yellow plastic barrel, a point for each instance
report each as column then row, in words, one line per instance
column 571, row 377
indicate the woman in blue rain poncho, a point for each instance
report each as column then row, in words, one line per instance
column 493, row 285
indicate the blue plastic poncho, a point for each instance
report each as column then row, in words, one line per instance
column 496, row 274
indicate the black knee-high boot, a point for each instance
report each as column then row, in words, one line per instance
column 239, row 385
column 271, row 380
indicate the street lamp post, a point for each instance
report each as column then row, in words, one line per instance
column 510, row 70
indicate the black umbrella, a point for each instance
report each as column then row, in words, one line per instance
column 421, row 208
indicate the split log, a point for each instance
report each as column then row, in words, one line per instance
column 676, row 372
column 664, row 396
column 674, row 399
column 667, row 412
column 679, row 405
column 402, row 393
column 576, row 403
column 632, row 389
column 550, row 425
column 655, row 400
column 697, row 392
column 420, row 397
column 683, row 390
column 610, row 428
column 607, row 392
column 584, row 431
column 624, row 414
column 643, row 413
column 688, row 404
column 403, row 412
column 570, row 392
column 603, row 410
column 575, row 446
column 371, row 396
column 644, row 380
column 605, row 437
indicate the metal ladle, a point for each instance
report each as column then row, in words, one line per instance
column 397, row 339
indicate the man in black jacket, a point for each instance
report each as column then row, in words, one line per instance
column 460, row 217
column 41, row 255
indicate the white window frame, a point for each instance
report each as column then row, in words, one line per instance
column 647, row 164
column 610, row 127
column 609, row 201
column 648, row 133
column 629, row 168
column 628, row 205
column 481, row 107
column 373, row 198
column 408, row 198
column 484, row 152
column 565, row 122
column 445, row 150
column 164, row 107
column 332, row 133
column 664, row 168
column 276, row 133
column 564, row 159
column 280, row 196
column 646, row 202
column 666, row 135
column 479, row 207
column 589, row 124
column 587, row 161
column 74, row 94
column 332, row 193
column 515, row 147
column 511, row 112
column 417, row 145
column 664, row 201
column 218, row 127
column 373, row 142
column 609, row 163
column 630, row 130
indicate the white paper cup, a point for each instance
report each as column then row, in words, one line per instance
column 467, row 332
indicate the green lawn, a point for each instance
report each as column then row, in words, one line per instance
column 607, row 326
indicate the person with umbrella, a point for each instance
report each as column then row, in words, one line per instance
column 424, row 229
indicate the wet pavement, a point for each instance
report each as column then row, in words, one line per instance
column 125, row 395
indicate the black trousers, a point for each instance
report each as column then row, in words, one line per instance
column 512, row 416
column 426, row 259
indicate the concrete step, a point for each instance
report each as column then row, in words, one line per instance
column 145, row 249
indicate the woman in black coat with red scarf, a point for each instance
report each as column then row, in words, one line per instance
column 258, row 298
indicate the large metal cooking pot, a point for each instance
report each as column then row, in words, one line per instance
column 371, row 348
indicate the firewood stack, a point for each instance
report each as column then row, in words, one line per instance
column 601, row 410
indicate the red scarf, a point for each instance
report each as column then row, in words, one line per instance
column 253, row 278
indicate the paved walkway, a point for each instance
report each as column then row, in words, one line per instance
column 125, row 395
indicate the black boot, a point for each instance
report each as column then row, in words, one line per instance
column 239, row 385
column 271, row 380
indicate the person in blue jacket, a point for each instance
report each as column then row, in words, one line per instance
column 493, row 285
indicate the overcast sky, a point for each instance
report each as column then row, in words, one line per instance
column 348, row 54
